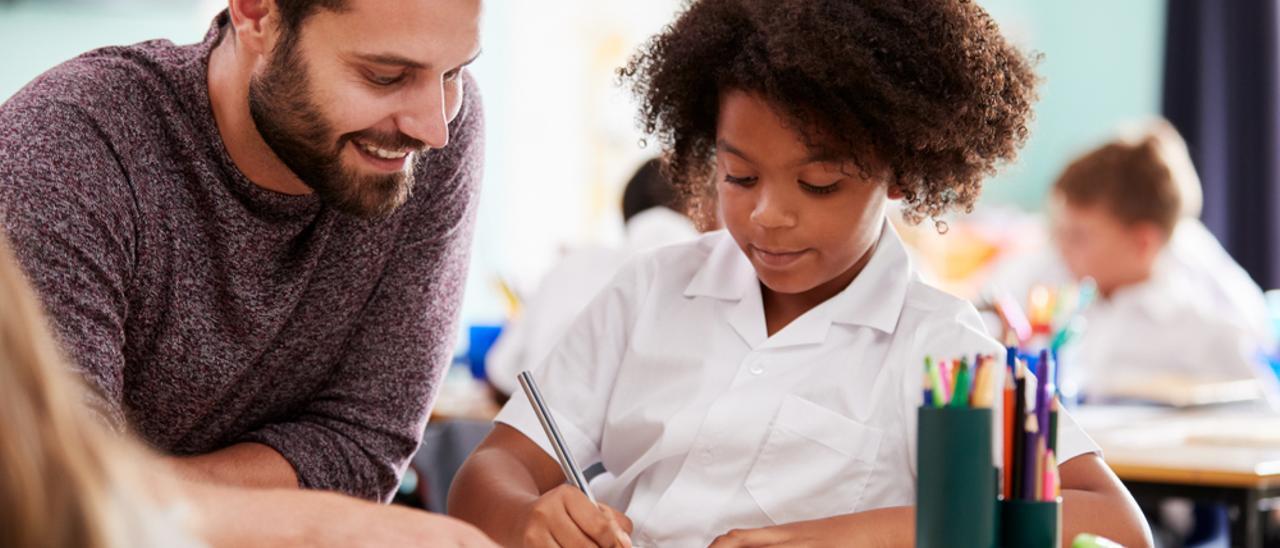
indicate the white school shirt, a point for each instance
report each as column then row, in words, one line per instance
column 1154, row 329
column 1207, row 275
column 706, row 424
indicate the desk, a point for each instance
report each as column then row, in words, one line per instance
column 1225, row 455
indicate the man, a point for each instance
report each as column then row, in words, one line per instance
column 254, row 247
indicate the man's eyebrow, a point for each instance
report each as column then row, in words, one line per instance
column 391, row 59
column 402, row 61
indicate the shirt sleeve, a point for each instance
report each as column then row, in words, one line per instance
column 358, row 433
column 579, row 374
column 67, row 209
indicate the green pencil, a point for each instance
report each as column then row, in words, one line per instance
column 961, row 398
column 939, row 389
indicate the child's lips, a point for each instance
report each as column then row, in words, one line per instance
column 777, row 258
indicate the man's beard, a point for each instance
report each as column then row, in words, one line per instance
column 280, row 103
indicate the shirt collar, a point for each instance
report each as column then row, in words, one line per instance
column 874, row 299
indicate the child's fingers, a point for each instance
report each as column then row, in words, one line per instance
column 566, row 533
column 743, row 538
column 622, row 520
column 540, row 538
column 593, row 521
column 622, row 538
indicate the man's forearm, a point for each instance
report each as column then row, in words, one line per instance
column 242, row 465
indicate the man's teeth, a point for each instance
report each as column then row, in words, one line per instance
column 384, row 153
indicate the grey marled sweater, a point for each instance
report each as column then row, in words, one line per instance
column 207, row 310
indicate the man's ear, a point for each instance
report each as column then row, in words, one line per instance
column 256, row 23
column 894, row 192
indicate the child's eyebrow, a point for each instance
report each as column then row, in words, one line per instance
column 725, row 146
column 816, row 157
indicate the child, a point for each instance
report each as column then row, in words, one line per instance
column 759, row 385
column 1115, row 212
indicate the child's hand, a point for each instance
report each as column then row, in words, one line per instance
column 847, row 530
column 564, row 516
column 782, row 535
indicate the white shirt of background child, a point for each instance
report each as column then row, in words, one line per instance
column 704, row 423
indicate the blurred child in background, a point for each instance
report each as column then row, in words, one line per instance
column 1171, row 302
column 651, row 212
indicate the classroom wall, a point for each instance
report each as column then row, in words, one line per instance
column 38, row 34
column 560, row 134
column 1101, row 66
column 561, row 139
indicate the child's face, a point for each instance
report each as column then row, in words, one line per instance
column 1094, row 243
column 803, row 221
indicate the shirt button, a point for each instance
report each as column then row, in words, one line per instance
column 707, row 456
column 757, row 369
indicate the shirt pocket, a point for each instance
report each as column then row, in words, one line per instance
column 814, row 463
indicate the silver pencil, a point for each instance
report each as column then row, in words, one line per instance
column 571, row 470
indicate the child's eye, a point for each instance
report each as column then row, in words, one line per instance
column 820, row 189
column 740, row 181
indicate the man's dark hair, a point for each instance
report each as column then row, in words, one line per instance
column 294, row 12
column 647, row 189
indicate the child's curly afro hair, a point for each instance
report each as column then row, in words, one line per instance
column 930, row 87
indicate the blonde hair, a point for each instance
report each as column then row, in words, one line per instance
column 55, row 486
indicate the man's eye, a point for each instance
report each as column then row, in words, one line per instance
column 386, row 80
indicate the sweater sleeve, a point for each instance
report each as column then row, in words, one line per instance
column 66, row 207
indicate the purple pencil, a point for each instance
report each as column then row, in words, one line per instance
column 1031, row 427
column 1042, row 392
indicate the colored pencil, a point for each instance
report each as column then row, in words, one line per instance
column 939, row 388
column 1007, row 472
column 1053, row 424
column 1019, row 431
column 961, row 397
column 1030, row 448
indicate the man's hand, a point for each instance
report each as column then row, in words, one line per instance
column 242, row 465
column 234, row 516
column 564, row 516
column 351, row 522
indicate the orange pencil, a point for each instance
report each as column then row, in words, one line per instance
column 979, row 398
column 1042, row 470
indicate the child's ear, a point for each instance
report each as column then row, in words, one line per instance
column 894, row 192
column 1150, row 239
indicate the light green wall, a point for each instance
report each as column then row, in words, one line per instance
column 38, row 34
column 1102, row 66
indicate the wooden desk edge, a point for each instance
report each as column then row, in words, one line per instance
column 1210, row 478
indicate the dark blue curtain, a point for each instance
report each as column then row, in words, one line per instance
column 1220, row 90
